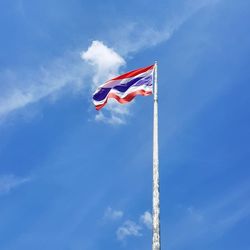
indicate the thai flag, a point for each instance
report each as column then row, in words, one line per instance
column 125, row 87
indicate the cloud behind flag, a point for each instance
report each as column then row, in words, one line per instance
column 125, row 87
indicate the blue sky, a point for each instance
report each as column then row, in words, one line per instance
column 72, row 178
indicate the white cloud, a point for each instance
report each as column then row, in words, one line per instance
column 109, row 118
column 112, row 214
column 146, row 219
column 10, row 182
column 114, row 113
column 105, row 60
column 129, row 228
column 107, row 63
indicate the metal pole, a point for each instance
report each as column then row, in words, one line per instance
column 156, row 244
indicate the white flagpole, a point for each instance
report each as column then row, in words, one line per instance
column 156, row 244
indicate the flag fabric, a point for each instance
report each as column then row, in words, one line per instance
column 125, row 87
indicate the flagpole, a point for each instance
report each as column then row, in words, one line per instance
column 156, row 244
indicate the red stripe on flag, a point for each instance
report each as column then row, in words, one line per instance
column 133, row 73
column 125, row 99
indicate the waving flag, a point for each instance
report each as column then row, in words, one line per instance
column 125, row 87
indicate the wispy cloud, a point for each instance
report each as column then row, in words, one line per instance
column 112, row 214
column 10, row 182
column 212, row 221
column 146, row 219
column 136, row 36
column 22, row 90
column 129, row 228
column 114, row 113
column 132, row 228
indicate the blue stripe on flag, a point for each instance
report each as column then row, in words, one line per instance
column 103, row 92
